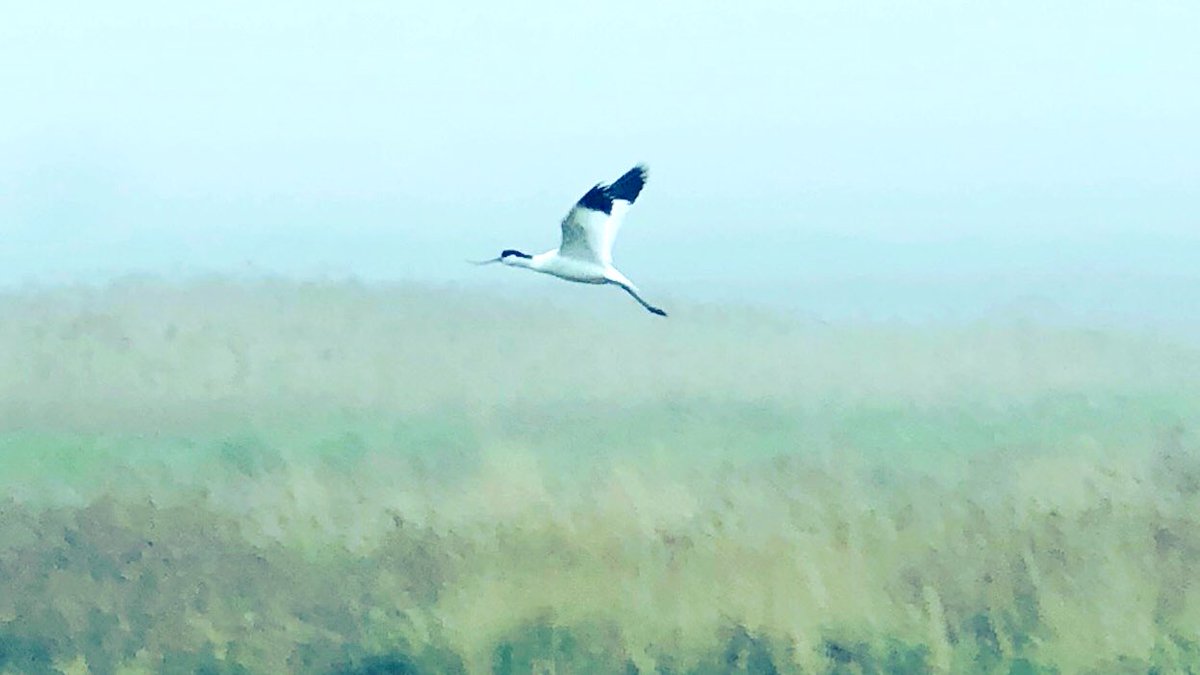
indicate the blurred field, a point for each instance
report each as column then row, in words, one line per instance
column 274, row 477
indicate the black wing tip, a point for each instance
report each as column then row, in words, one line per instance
column 628, row 186
column 597, row 199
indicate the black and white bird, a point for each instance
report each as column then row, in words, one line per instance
column 588, row 232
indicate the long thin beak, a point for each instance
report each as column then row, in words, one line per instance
column 484, row 262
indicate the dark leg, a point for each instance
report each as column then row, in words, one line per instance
column 651, row 308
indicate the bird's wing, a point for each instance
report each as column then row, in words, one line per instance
column 583, row 228
column 591, row 227
column 624, row 192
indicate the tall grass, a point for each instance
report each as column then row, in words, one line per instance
column 285, row 477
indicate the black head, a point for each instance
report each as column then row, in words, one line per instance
column 511, row 252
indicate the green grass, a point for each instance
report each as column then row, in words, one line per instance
column 268, row 477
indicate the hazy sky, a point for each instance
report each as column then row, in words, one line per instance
column 801, row 141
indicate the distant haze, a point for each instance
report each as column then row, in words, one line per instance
column 847, row 159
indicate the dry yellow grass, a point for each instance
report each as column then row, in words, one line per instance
column 277, row 477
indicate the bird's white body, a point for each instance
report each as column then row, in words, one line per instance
column 588, row 233
column 567, row 267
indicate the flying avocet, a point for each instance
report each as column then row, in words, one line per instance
column 588, row 232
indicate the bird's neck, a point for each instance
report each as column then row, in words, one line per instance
column 537, row 262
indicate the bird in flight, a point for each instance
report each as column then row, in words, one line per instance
column 588, row 232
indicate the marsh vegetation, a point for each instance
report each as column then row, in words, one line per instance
column 267, row 477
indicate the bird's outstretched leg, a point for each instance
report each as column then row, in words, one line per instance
column 651, row 308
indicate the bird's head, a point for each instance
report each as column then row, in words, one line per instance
column 511, row 257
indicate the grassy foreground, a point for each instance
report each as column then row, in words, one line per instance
column 273, row 477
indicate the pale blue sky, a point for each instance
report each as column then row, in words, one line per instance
column 810, row 143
